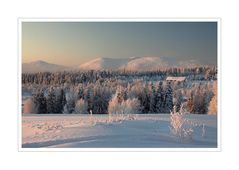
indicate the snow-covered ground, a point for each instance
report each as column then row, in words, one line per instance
column 85, row 131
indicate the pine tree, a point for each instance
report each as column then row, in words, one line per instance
column 152, row 98
column 89, row 97
column 51, row 101
column 40, row 102
column 121, row 94
column 96, row 100
column 70, row 102
column 168, row 98
column 159, row 98
column 178, row 100
column 60, row 101
column 63, row 99
column 190, row 104
column 145, row 99
column 80, row 92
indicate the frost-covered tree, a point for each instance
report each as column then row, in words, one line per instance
column 60, row 101
column 212, row 109
column 29, row 106
column 65, row 110
column 190, row 104
column 179, row 126
column 101, row 97
column 80, row 91
column 39, row 102
column 144, row 97
column 178, row 99
column 131, row 106
column 198, row 98
column 114, row 106
column 159, row 97
column 73, row 78
column 81, row 107
column 152, row 98
column 89, row 97
column 70, row 104
column 51, row 101
column 168, row 98
column 121, row 93
column 97, row 87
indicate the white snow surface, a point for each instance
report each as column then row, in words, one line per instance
column 85, row 131
column 131, row 64
column 147, row 63
column 41, row 66
column 104, row 64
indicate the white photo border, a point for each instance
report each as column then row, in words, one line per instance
column 219, row 82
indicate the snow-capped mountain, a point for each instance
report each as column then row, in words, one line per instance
column 104, row 64
column 41, row 66
column 130, row 64
column 145, row 64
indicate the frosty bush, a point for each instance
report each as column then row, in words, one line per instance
column 114, row 106
column 92, row 120
column 81, row 107
column 122, row 110
column 29, row 106
column 131, row 106
column 70, row 102
column 179, row 126
column 115, row 109
column 212, row 108
column 65, row 110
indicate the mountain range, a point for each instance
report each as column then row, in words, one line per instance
column 132, row 64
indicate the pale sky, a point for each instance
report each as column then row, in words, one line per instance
column 73, row 43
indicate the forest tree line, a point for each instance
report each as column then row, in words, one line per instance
column 152, row 97
column 74, row 78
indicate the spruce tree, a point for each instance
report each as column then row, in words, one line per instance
column 152, row 100
column 40, row 102
column 159, row 98
column 168, row 102
column 80, row 92
column 60, row 102
column 51, row 101
column 179, row 100
column 70, row 102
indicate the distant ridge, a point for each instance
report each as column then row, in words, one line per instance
column 135, row 63
column 129, row 64
column 41, row 66
column 104, row 64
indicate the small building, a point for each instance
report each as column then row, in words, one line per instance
column 177, row 79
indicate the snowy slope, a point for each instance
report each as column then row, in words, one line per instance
column 83, row 131
column 41, row 66
column 135, row 63
column 104, row 64
column 130, row 64
column 145, row 64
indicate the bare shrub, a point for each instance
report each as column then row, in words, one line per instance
column 179, row 126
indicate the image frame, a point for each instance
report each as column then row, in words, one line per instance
column 19, row 59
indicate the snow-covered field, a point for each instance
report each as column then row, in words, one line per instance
column 141, row 131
